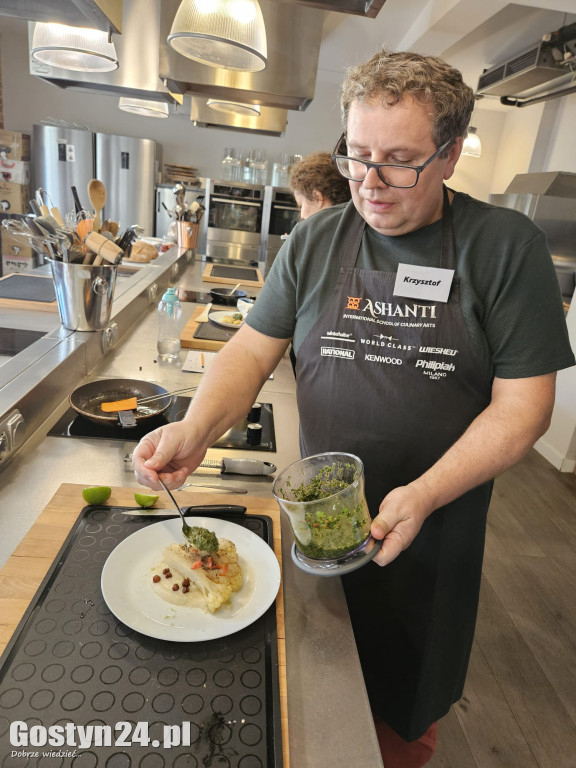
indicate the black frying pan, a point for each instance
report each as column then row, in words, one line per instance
column 88, row 398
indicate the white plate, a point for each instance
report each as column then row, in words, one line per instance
column 218, row 318
column 127, row 583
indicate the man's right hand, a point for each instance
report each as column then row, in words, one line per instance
column 170, row 450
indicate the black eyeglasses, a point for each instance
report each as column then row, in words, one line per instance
column 401, row 176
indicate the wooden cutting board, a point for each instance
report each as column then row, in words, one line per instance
column 20, row 290
column 23, row 572
column 218, row 336
column 231, row 275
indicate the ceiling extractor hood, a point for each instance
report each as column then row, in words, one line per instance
column 369, row 8
column 294, row 35
column 150, row 69
column 105, row 15
column 137, row 49
column 270, row 122
column 545, row 65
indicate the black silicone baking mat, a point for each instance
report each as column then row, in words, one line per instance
column 28, row 288
column 71, row 661
column 213, row 332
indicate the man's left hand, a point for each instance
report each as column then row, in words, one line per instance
column 401, row 515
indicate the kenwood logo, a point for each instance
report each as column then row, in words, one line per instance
column 337, row 352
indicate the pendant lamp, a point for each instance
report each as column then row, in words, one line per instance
column 472, row 146
column 234, row 107
column 144, row 107
column 221, row 33
column 77, row 48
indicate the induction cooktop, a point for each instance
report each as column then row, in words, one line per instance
column 14, row 340
column 72, row 424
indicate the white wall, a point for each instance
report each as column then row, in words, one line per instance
column 474, row 175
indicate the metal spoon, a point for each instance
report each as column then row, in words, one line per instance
column 186, row 530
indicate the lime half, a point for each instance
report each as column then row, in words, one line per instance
column 96, row 494
column 146, row 500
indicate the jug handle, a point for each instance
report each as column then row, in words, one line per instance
column 100, row 286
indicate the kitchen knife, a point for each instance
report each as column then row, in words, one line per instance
column 215, row 510
column 239, row 466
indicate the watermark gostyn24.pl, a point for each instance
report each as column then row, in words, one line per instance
column 122, row 734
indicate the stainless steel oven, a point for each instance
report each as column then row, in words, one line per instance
column 234, row 221
column 280, row 215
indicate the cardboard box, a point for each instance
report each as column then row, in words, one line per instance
column 13, row 249
column 18, row 263
column 14, row 198
column 16, row 171
column 16, row 144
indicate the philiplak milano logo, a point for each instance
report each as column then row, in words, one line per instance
column 436, row 369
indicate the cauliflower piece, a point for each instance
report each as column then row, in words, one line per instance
column 216, row 576
column 227, row 560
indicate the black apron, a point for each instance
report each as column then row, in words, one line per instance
column 396, row 381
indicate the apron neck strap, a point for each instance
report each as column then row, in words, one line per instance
column 350, row 243
column 448, row 254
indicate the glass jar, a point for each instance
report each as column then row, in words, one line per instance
column 230, row 165
column 323, row 496
column 259, row 167
column 281, row 171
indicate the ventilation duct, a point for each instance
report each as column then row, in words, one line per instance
column 543, row 67
column 530, row 69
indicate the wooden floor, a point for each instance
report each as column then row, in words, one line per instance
column 519, row 703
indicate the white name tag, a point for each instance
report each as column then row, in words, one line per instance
column 430, row 283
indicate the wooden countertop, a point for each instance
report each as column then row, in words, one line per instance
column 23, row 572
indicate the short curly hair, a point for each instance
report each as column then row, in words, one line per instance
column 390, row 76
column 318, row 172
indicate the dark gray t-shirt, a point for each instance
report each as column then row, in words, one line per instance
column 510, row 296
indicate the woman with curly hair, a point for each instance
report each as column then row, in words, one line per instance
column 317, row 183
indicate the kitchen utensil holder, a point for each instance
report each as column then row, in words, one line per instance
column 84, row 293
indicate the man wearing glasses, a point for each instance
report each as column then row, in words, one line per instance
column 428, row 327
